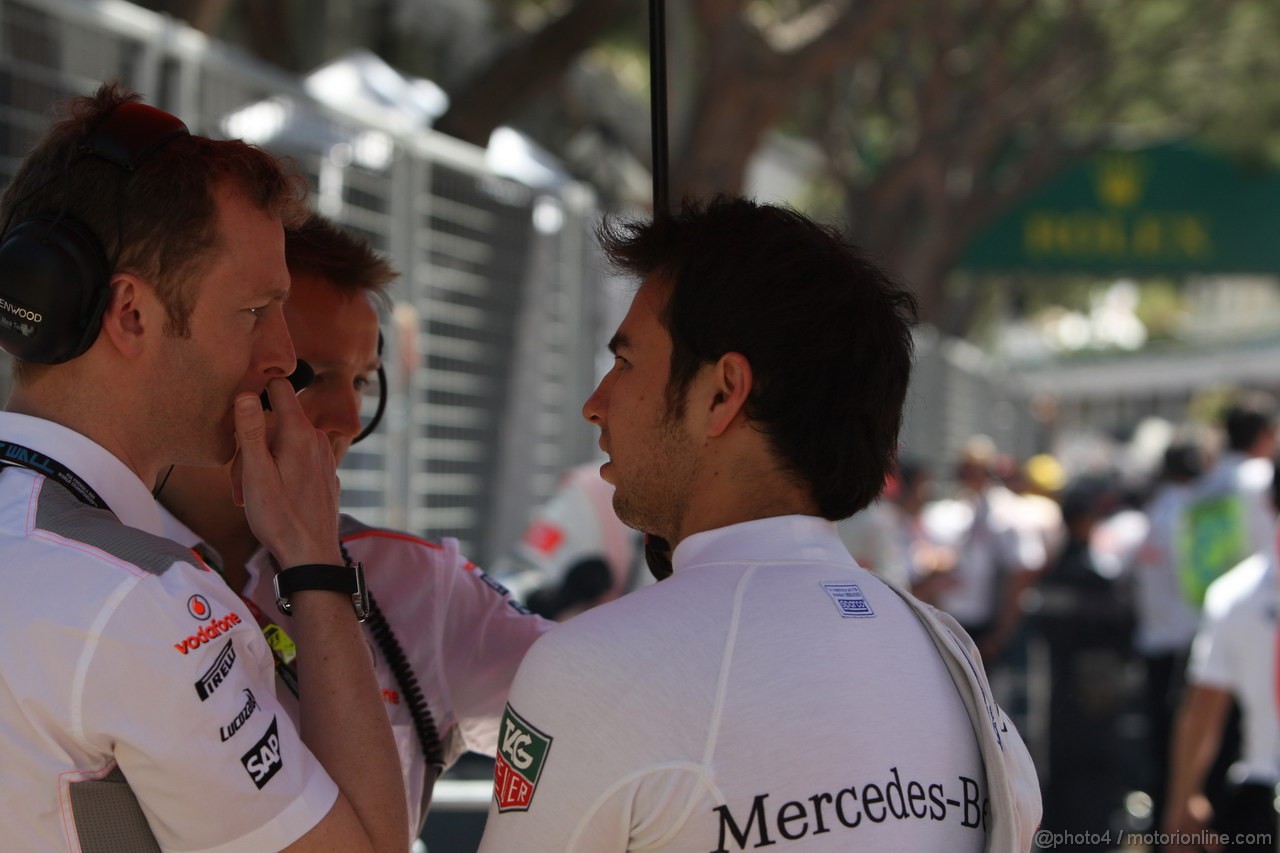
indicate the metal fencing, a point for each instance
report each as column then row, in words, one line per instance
column 489, row 349
column 957, row 392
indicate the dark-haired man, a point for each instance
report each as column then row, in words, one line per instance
column 446, row 638
column 137, row 697
column 770, row 691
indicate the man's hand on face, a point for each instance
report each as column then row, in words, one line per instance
column 286, row 479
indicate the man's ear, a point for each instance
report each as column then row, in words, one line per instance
column 730, row 386
column 129, row 315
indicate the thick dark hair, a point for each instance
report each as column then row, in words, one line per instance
column 1248, row 418
column 159, row 222
column 319, row 247
column 826, row 331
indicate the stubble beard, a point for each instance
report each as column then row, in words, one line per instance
column 199, row 434
column 654, row 498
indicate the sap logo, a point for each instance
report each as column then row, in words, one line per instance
column 214, row 675
column 263, row 760
column 207, row 633
column 250, row 705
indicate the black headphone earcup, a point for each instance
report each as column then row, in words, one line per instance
column 53, row 290
column 54, row 274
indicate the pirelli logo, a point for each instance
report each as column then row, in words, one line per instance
column 214, row 675
column 522, row 752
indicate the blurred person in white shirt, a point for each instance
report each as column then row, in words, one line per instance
column 1233, row 657
column 995, row 560
column 1166, row 620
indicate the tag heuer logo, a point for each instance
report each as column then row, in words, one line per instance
column 522, row 751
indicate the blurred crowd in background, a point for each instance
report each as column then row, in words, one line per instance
column 1084, row 590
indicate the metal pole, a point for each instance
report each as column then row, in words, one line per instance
column 658, row 105
column 657, row 553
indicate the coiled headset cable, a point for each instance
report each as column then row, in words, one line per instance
column 423, row 722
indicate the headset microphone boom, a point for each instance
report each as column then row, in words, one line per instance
column 301, row 377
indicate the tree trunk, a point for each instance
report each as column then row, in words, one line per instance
column 732, row 116
column 271, row 33
column 749, row 85
column 203, row 15
column 525, row 69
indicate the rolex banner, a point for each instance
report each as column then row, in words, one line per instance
column 1168, row 209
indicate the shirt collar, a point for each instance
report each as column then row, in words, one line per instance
column 789, row 538
column 126, row 496
column 178, row 532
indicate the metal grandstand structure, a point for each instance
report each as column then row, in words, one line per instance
column 490, row 351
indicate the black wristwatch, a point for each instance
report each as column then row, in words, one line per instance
column 348, row 579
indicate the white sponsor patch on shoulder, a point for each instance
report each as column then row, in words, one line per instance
column 849, row 600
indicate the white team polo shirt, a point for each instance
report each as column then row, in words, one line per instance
column 460, row 633
column 137, row 699
column 769, row 693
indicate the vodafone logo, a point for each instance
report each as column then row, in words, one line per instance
column 207, row 633
column 198, row 606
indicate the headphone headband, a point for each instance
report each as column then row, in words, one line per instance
column 130, row 133
column 53, row 270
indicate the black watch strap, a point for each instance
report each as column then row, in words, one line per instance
column 347, row 579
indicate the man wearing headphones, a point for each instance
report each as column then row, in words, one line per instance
column 142, row 284
column 447, row 638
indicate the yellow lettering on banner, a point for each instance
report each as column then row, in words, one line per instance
column 1111, row 237
column 1193, row 237
column 1148, row 237
column 1037, row 235
column 1086, row 235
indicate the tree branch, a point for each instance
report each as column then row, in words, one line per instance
column 526, row 69
column 849, row 37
